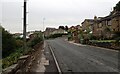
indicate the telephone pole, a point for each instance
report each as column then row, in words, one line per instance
column 24, row 23
column 43, row 27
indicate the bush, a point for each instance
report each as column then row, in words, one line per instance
column 19, row 43
column 10, row 60
column 12, row 48
column 13, row 57
column 69, row 38
column 8, row 43
column 37, row 39
column 56, row 35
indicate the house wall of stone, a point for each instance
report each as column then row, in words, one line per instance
column 84, row 25
column 116, row 24
column 99, row 29
column 95, row 29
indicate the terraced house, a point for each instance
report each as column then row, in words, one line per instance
column 87, row 24
column 87, row 27
column 105, row 27
column 74, row 33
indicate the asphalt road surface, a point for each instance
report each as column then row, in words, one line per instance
column 83, row 58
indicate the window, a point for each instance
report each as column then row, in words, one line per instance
column 117, row 26
column 109, row 23
column 113, row 29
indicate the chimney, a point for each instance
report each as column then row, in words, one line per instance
column 95, row 17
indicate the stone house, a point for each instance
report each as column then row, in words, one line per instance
column 98, row 27
column 51, row 31
column 75, row 33
column 102, row 28
column 87, row 24
column 48, row 31
column 71, row 30
column 105, row 27
column 115, row 21
column 87, row 27
column 59, row 31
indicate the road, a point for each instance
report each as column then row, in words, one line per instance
column 83, row 58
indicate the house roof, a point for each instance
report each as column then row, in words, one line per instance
column 112, row 15
column 89, row 20
column 50, row 29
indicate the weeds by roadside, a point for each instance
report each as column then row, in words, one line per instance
column 13, row 47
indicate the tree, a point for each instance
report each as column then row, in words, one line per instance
column 80, row 35
column 38, row 37
column 117, row 7
column 66, row 28
column 61, row 27
column 8, row 43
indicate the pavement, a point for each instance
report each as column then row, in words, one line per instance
column 81, row 58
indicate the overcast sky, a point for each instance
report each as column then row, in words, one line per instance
column 55, row 12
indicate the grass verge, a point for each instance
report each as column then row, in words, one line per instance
column 12, row 58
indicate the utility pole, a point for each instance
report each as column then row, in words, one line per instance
column 43, row 27
column 24, row 23
column 43, row 33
